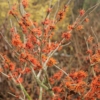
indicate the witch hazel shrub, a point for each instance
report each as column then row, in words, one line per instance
column 33, row 70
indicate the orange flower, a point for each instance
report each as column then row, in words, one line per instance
column 80, row 87
column 61, row 15
column 22, row 57
column 70, row 27
column 44, row 58
column 27, row 70
column 20, row 80
column 51, row 62
column 52, row 81
column 80, row 27
column 96, row 82
column 82, row 12
column 58, row 75
column 89, row 52
column 70, row 85
column 90, row 39
column 86, row 20
column 29, row 45
column 78, row 76
column 57, row 89
column 46, row 22
column 16, row 41
column 12, row 66
column 95, row 58
column 96, row 69
column 66, row 35
column 38, row 67
column 13, row 10
column 6, row 59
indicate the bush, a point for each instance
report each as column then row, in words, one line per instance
column 34, row 64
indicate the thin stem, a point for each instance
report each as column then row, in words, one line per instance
column 40, row 83
column 40, row 95
column 95, row 36
column 63, row 72
column 15, row 96
column 56, row 11
column 23, row 89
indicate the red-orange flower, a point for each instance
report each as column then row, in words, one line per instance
column 29, row 45
column 66, row 35
column 90, row 39
column 82, row 12
column 16, row 41
column 70, row 27
column 86, row 20
column 80, row 27
column 12, row 66
column 13, row 10
column 57, row 89
column 78, row 76
column 20, row 80
column 51, row 62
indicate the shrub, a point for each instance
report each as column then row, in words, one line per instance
column 32, row 69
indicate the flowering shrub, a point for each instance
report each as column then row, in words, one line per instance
column 31, row 70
